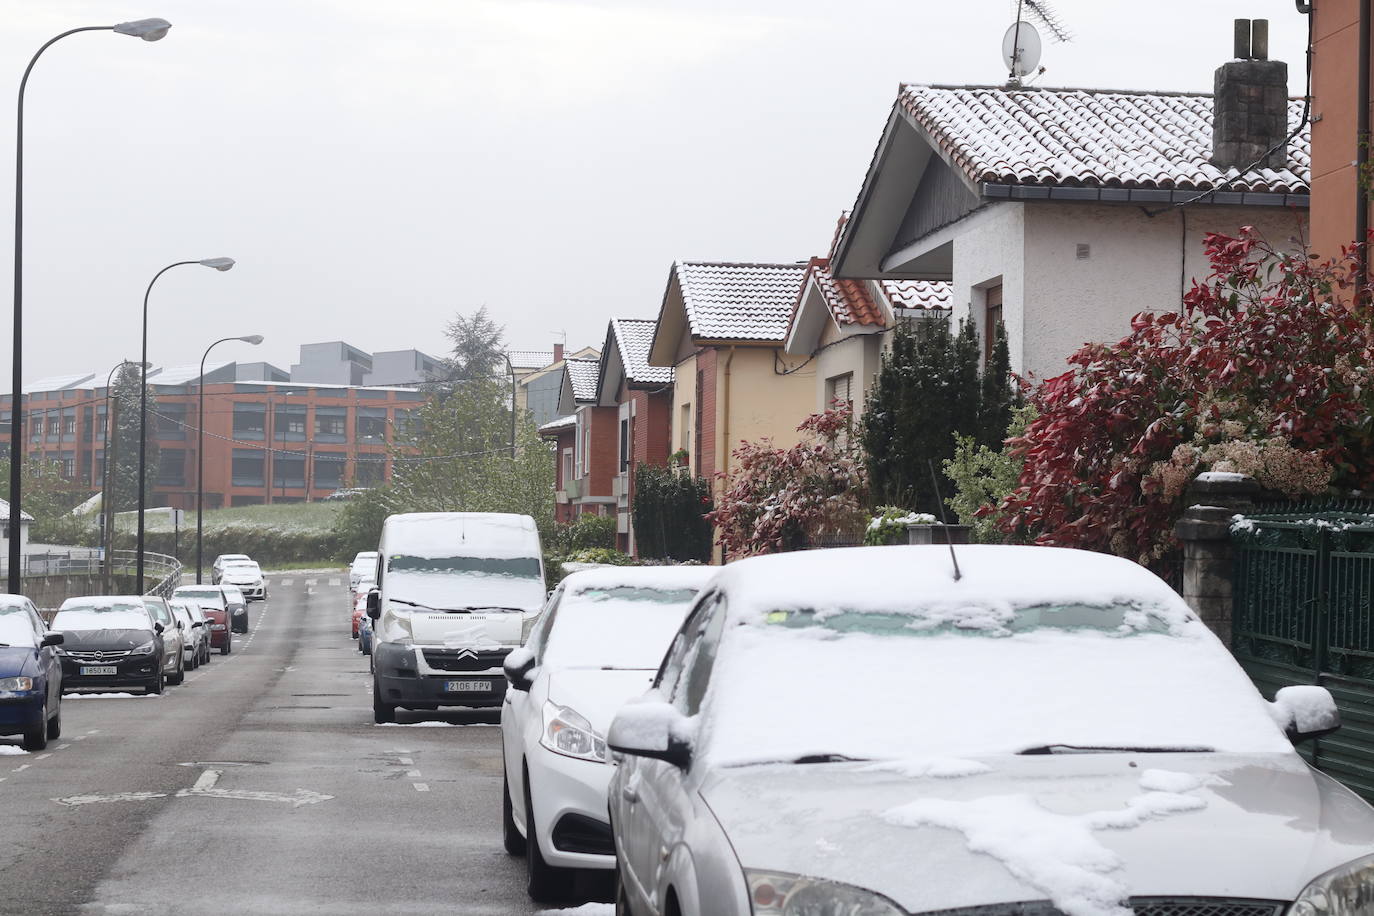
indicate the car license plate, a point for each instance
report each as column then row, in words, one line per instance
column 99, row 669
column 468, row 686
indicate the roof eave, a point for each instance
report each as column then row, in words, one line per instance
column 1098, row 194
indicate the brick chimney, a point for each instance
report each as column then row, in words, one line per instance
column 1250, row 103
column 557, row 352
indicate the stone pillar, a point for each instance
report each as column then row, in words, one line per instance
column 1205, row 531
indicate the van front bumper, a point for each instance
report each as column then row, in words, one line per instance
column 405, row 678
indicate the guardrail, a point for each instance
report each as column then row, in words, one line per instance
column 163, row 571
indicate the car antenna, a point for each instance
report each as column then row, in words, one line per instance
column 940, row 504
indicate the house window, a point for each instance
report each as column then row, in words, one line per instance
column 69, row 426
column 991, row 319
column 246, row 469
column 567, row 466
column 328, row 471
column 250, row 422
column 68, row 467
column 288, row 471
column 288, row 423
column 579, row 445
column 171, row 467
column 684, row 439
column 838, row 391
column 331, row 424
column 171, row 421
column 54, row 426
column 624, row 445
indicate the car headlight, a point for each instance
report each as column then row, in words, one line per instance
column 780, row 894
column 8, row 684
column 568, row 733
column 1344, row 891
column 148, row 648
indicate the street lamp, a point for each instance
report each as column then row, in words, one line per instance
column 220, row 264
column 148, row 30
column 253, row 339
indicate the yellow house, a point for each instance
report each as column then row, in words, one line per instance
column 722, row 327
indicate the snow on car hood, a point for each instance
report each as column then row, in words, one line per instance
column 1085, row 830
column 597, row 693
column 491, row 628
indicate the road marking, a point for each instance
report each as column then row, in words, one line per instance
column 406, row 761
column 205, row 787
column 75, row 801
column 42, row 756
column 412, row 774
column 21, row 769
column 311, row 583
column 335, row 583
column 421, row 787
column 63, row 747
column 79, row 738
column 285, row 582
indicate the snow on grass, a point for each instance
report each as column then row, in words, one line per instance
column 11, row 750
column 1058, row 854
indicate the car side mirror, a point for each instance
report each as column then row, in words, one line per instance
column 52, row 639
column 519, row 667
column 1305, row 712
column 195, row 623
column 374, row 605
column 158, row 628
column 651, row 729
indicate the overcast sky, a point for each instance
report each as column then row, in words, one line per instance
column 376, row 167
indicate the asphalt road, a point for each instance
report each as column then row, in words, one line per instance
column 260, row 786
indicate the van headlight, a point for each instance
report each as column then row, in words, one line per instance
column 1344, row 891
column 567, row 732
column 780, row 894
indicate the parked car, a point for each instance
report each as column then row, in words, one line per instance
column 1049, row 730
column 212, row 603
column 365, row 636
column 364, row 566
column 238, row 606
column 455, row 592
column 597, row 644
column 30, row 675
column 192, row 635
column 223, row 560
column 110, row 641
column 359, row 612
column 203, row 631
column 173, row 639
column 247, row 577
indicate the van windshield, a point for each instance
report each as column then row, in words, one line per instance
column 466, row 581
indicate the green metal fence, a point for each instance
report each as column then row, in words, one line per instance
column 1304, row 614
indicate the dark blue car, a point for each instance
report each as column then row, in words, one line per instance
column 30, row 674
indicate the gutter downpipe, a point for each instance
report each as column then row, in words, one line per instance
column 1362, row 151
column 724, row 406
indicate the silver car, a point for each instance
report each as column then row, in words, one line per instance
column 174, row 637
column 1037, row 731
column 197, row 637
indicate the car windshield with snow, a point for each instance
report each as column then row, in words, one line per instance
column 1053, row 729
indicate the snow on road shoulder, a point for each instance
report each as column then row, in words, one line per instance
column 110, row 696
column 11, row 750
column 586, row 909
column 1057, row 854
column 431, row 724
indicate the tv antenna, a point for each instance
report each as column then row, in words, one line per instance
column 1021, row 44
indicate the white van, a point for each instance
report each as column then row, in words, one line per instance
column 455, row 593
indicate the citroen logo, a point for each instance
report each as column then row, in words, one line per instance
column 466, row 653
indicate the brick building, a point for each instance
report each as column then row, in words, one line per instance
column 586, row 440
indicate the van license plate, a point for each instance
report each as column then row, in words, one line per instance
column 99, row 669
column 468, row 686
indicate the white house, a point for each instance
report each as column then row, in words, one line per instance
column 25, row 520
column 1063, row 212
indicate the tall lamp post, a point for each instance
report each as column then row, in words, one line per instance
column 148, row 30
column 253, row 339
column 220, row 264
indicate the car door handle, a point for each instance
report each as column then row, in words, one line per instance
column 629, row 794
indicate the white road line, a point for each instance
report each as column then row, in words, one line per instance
column 42, row 757
column 335, row 583
column 311, row 583
column 285, row 582
column 22, row 768
column 421, row 787
column 79, row 738
column 406, row 761
column 412, row 774
column 63, row 747
column 207, row 780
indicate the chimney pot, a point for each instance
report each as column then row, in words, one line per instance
column 1259, row 39
column 557, row 352
column 1242, row 39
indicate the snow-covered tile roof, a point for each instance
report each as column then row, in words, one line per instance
column 530, row 359
column 554, row 426
column 1091, row 137
column 5, row 512
column 583, row 374
column 739, row 301
column 918, row 294
column 634, row 337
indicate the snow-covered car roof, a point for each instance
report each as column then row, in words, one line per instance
column 103, row 601
column 665, row 577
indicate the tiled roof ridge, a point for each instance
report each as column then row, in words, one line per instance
column 1011, row 90
column 778, row 264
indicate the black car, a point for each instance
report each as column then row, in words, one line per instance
column 110, row 641
column 30, row 675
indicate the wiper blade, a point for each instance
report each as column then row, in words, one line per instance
column 829, row 758
column 1094, row 749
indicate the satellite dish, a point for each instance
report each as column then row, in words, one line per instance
column 1021, row 49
